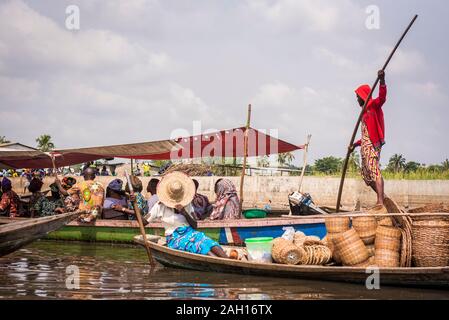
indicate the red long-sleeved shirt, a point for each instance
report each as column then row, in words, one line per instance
column 374, row 116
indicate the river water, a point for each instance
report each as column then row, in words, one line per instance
column 39, row 271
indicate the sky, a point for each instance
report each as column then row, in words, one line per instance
column 137, row 70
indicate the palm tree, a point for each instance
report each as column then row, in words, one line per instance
column 354, row 162
column 44, row 143
column 263, row 162
column 396, row 163
column 4, row 140
column 285, row 158
column 445, row 164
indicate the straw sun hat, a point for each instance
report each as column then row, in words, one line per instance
column 176, row 188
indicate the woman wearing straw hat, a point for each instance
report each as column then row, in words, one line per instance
column 176, row 191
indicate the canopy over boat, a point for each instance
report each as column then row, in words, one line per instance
column 225, row 143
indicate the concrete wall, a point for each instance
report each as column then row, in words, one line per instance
column 258, row 190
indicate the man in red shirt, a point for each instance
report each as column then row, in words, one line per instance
column 373, row 135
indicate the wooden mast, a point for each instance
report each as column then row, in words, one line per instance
column 245, row 155
column 306, row 149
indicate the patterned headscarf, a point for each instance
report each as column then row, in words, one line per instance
column 227, row 205
column 68, row 182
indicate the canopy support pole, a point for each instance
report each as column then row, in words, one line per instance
column 245, row 155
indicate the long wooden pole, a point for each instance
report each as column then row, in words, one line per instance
column 306, row 149
column 139, row 219
column 345, row 166
column 245, row 155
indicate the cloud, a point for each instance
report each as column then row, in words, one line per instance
column 139, row 69
column 314, row 15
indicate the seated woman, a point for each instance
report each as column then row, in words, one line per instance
column 39, row 204
column 151, row 191
column 227, row 205
column 127, row 207
column 115, row 201
column 175, row 192
column 201, row 205
column 9, row 204
column 69, row 201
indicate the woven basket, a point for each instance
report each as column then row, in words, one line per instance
column 350, row 248
column 388, row 232
column 317, row 255
column 278, row 245
column 385, row 221
column 388, row 238
column 336, row 224
column 329, row 242
column 291, row 254
column 371, row 250
column 365, row 264
column 387, row 258
column 438, row 208
column 299, row 238
column 430, row 241
column 388, row 244
column 366, row 228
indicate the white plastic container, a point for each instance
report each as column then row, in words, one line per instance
column 259, row 249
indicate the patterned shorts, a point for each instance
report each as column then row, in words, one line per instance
column 370, row 163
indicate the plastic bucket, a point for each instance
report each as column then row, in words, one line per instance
column 259, row 249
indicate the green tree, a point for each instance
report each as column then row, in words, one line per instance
column 396, row 163
column 4, row 140
column 44, row 143
column 328, row 165
column 285, row 158
column 435, row 168
column 411, row 166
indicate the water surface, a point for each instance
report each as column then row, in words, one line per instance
column 122, row 272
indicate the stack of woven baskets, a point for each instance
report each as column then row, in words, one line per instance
column 304, row 250
column 335, row 226
column 366, row 229
column 351, row 249
column 388, row 246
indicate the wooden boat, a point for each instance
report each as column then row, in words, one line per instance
column 415, row 277
column 17, row 234
column 227, row 232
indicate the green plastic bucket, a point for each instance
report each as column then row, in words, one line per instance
column 259, row 249
column 254, row 214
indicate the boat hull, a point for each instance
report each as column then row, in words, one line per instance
column 231, row 232
column 15, row 235
column 413, row 277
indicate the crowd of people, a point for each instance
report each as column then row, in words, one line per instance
column 113, row 202
column 174, row 200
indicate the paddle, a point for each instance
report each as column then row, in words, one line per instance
column 348, row 154
column 139, row 219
